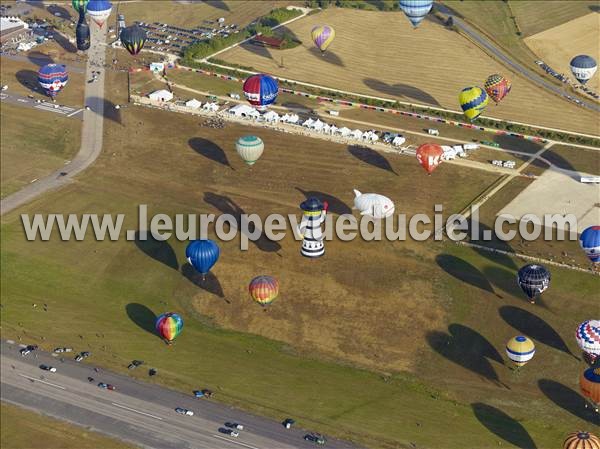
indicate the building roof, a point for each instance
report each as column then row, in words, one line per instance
column 270, row 41
column 161, row 93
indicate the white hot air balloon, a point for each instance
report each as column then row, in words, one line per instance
column 250, row 148
column 99, row 11
column 373, row 204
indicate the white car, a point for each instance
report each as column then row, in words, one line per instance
column 184, row 411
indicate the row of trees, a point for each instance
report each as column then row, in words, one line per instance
column 381, row 5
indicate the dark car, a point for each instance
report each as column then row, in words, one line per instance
column 315, row 438
column 288, row 423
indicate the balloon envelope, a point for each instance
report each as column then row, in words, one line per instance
column 261, row 90
column 202, row 254
column 415, row 10
column 169, row 325
column 322, row 36
column 583, row 68
column 588, row 338
column 581, row 440
column 99, row 10
column 373, row 204
column 589, row 382
column 590, row 243
column 250, row 148
column 497, row 87
column 78, row 4
column 82, row 33
column 533, row 279
column 473, row 101
column 133, row 39
column 264, row 289
column 52, row 78
column 429, row 156
column 520, row 350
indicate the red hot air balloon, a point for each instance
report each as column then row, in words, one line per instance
column 429, row 156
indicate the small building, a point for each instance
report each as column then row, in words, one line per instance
column 13, row 29
column 211, row 107
column 266, row 41
column 243, row 110
column 161, row 95
column 193, row 104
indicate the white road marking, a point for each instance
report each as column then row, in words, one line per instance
column 235, row 442
column 42, row 381
column 22, row 100
column 75, row 112
column 136, row 411
column 21, row 345
column 49, row 108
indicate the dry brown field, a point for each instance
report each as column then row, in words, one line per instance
column 379, row 54
column 557, row 46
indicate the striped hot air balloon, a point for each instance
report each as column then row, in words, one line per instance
column 264, row 289
column 589, row 382
column 534, row 279
column 79, row 4
column 590, row 243
column 133, row 39
column 497, row 87
column 261, row 91
column 588, row 339
column 322, row 36
column 520, row 350
column 169, row 326
column 52, row 78
column 415, row 10
column 581, row 440
column 473, row 101
column 250, row 148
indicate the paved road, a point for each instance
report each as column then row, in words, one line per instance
column 91, row 133
column 22, row 100
column 137, row 412
column 492, row 48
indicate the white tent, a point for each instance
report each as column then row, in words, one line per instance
column 285, row 118
column 318, row 125
column 243, row 110
column 271, row 116
column 293, row 118
column 398, row 140
column 374, row 137
column 327, row 129
column 357, row 134
column 161, row 95
column 345, row 131
column 213, row 107
column 333, row 129
column 193, row 104
column 308, row 123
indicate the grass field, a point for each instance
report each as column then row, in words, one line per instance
column 23, row 429
column 536, row 16
column 564, row 156
column 34, row 143
column 556, row 46
column 409, row 66
column 407, row 311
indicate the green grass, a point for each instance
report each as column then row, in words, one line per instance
column 23, row 429
column 33, row 144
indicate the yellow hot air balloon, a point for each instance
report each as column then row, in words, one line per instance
column 520, row 350
column 473, row 101
column 581, row 440
column 322, row 36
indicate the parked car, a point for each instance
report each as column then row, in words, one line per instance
column 107, row 386
column 184, row 411
column 48, row 368
column 203, row 393
column 135, row 363
column 315, row 438
column 231, row 432
column 234, row 425
column 288, row 423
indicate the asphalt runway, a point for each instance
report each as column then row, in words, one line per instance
column 143, row 414
column 21, row 100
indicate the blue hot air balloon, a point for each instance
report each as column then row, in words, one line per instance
column 590, row 243
column 534, row 279
column 261, row 90
column 202, row 255
column 99, row 11
column 583, row 67
column 415, row 10
column 52, row 78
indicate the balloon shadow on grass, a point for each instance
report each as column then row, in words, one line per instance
column 463, row 271
column 506, row 281
column 209, row 150
column 64, row 43
column 328, row 56
column 209, row 283
column 257, row 49
column 568, row 400
column 28, row 79
column 467, row 348
column 371, row 157
column 109, row 111
column 401, row 90
column 227, row 206
column 63, row 13
column 491, row 247
column 160, row 251
column 533, row 326
column 502, row 425
column 39, row 59
column 142, row 316
column 218, row 4
column 336, row 205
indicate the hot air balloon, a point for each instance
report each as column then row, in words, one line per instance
column 82, row 33
column 133, row 39
column 202, row 255
column 520, row 350
column 250, row 148
column 415, row 10
column 169, row 326
column 373, row 204
column 429, row 156
column 261, row 90
column 99, row 11
column 322, row 36
column 52, row 78
column 590, row 243
column 473, row 101
column 264, row 289
column 78, row 4
column 589, row 382
column 581, row 440
column 533, row 279
column 497, row 87
column 588, row 339
column 583, row 68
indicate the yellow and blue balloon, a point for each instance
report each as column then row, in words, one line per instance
column 473, row 101
column 520, row 350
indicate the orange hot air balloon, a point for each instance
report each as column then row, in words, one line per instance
column 429, row 156
column 264, row 289
column 589, row 381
